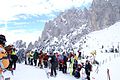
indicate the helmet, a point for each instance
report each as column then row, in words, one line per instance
column 2, row 38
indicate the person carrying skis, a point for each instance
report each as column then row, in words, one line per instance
column 4, row 62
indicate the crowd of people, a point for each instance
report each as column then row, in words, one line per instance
column 59, row 61
column 53, row 60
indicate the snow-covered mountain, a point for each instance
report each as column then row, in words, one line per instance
column 70, row 26
column 106, row 39
column 69, row 30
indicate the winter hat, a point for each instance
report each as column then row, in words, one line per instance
column 2, row 38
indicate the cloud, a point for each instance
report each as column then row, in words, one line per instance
column 21, row 34
column 12, row 11
column 20, row 23
column 10, row 8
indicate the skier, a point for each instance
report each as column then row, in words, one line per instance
column 9, row 51
column 45, row 60
column 60, row 62
column 14, row 58
column 53, row 65
column 75, row 65
column 4, row 61
column 77, row 71
column 40, row 63
column 71, row 63
column 88, row 67
column 79, row 54
column 28, row 55
column 35, row 57
column 31, row 57
column 64, row 63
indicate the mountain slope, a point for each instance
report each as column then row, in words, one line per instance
column 100, row 15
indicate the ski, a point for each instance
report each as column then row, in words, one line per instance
column 7, row 78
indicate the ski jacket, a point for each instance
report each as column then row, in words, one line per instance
column 35, row 55
column 88, row 67
column 13, row 53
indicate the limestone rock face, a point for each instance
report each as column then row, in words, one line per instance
column 74, row 23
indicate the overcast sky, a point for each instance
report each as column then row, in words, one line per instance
column 25, row 19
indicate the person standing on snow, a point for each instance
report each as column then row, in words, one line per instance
column 14, row 58
column 35, row 57
column 53, row 64
column 45, row 60
column 88, row 69
column 60, row 62
column 65, row 58
column 31, row 57
column 4, row 61
column 79, row 54
column 40, row 63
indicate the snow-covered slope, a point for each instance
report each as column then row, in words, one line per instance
column 101, row 41
column 110, row 63
column 108, row 38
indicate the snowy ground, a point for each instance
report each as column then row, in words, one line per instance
column 26, row 72
column 109, row 61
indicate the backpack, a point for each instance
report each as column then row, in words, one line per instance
column 4, row 61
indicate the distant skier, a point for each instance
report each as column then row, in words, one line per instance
column 79, row 54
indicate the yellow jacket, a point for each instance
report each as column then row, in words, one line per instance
column 75, row 57
column 13, row 53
